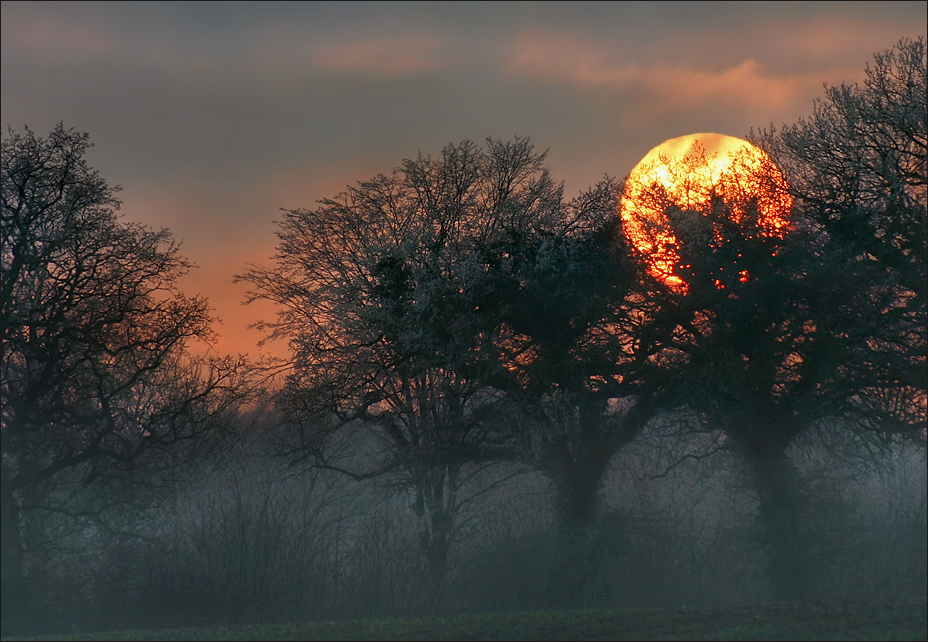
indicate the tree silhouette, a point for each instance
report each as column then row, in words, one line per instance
column 96, row 381
column 823, row 321
column 380, row 292
column 463, row 312
column 858, row 168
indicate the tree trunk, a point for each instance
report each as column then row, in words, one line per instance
column 576, row 463
column 576, row 466
column 578, row 479
column 576, row 561
column 14, row 595
column 782, row 511
column 436, row 506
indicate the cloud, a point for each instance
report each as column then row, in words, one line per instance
column 385, row 56
column 50, row 38
column 297, row 55
column 60, row 41
column 826, row 41
column 568, row 58
column 213, row 115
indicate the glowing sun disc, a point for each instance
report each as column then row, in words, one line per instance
column 688, row 172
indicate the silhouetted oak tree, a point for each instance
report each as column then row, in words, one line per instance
column 826, row 321
column 858, row 168
column 766, row 358
column 578, row 337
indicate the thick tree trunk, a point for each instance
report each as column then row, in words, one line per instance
column 783, row 508
column 435, row 547
column 577, row 562
column 577, row 463
column 578, row 478
column 576, row 466
column 436, row 506
column 14, row 595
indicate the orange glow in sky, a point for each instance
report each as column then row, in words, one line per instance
column 688, row 172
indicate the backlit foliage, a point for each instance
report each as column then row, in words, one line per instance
column 699, row 181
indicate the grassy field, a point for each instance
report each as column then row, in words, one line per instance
column 897, row 619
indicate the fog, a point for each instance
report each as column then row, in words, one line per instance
column 248, row 537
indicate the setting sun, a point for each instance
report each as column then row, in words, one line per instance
column 689, row 173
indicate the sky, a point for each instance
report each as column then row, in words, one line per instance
column 214, row 116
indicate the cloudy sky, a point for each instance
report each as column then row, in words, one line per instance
column 213, row 116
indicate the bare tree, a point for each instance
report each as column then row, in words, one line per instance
column 96, row 377
column 409, row 303
column 380, row 292
column 858, row 169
